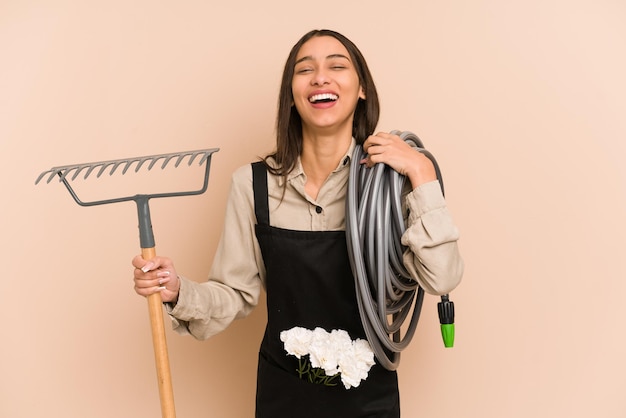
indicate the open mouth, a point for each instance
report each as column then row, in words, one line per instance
column 323, row 98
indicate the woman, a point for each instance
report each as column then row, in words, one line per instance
column 284, row 231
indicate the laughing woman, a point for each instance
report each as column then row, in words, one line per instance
column 285, row 232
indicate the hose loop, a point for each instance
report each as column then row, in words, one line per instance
column 386, row 294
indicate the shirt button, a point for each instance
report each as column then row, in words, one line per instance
column 318, row 209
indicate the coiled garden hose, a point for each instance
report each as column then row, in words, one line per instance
column 374, row 227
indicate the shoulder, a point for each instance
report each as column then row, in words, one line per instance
column 242, row 178
column 242, row 183
column 242, row 175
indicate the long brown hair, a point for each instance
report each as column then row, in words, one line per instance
column 288, row 121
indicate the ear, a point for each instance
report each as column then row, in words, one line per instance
column 361, row 93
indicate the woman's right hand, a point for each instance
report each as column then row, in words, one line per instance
column 156, row 275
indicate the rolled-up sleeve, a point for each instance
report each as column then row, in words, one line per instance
column 432, row 256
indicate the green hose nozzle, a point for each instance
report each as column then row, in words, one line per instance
column 446, row 319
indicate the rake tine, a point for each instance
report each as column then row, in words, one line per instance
column 179, row 159
column 65, row 171
column 182, row 156
column 192, row 157
column 129, row 163
column 104, row 167
column 205, row 157
column 78, row 170
column 153, row 161
column 53, row 174
column 167, row 160
column 43, row 174
column 115, row 166
column 140, row 163
column 89, row 170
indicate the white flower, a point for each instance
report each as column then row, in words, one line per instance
column 333, row 352
column 355, row 363
column 340, row 339
column 363, row 352
column 297, row 341
column 322, row 352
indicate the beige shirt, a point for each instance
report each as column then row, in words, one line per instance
column 237, row 274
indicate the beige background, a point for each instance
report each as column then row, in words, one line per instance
column 522, row 102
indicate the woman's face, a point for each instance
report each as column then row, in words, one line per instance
column 325, row 85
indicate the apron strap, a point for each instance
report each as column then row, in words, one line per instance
column 261, row 199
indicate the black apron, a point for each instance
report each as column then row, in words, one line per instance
column 309, row 284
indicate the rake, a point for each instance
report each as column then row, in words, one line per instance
column 68, row 173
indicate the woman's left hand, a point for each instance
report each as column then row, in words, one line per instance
column 390, row 149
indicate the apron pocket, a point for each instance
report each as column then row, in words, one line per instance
column 285, row 395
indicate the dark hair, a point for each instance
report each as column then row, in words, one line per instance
column 288, row 122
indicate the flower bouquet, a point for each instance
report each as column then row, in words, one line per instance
column 330, row 354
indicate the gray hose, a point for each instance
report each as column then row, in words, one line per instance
column 374, row 227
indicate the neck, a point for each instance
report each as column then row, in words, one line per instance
column 321, row 154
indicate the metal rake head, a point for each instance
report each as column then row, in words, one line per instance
column 62, row 172
column 100, row 167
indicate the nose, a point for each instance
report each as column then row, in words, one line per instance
column 320, row 77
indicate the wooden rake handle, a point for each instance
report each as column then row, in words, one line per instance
column 164, row 376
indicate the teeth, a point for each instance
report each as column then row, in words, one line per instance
column 323, row 96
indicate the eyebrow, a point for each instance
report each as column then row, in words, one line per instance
column 331, row 56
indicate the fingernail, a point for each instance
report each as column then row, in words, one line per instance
column 161, row 288
column 147, row 267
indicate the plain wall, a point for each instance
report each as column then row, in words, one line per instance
column 521, row 102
